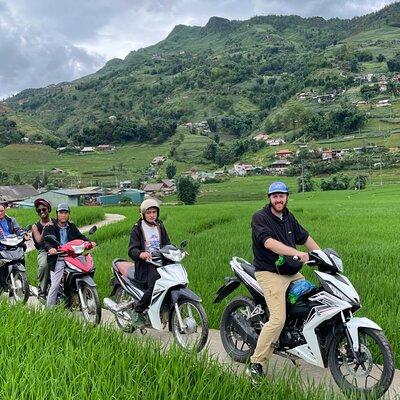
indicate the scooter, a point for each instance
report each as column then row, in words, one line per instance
column 320, row 327
column 172, row 302
column 12, row 259
column 78, row 287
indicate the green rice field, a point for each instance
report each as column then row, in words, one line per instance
column 361, row 225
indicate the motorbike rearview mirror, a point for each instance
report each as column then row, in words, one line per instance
column 52, row 240
column 92, row 230
column 183, row 244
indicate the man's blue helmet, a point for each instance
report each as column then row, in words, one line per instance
column 277, row 187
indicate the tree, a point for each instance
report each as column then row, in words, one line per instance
column 394, row 64
column 380, row 58
column 210, row 151
column 187, row 190
column 305, row 183
column 360, row 182
column 170, row 170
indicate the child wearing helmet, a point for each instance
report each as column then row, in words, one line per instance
column 147, row 235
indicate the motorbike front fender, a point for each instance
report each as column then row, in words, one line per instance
column 87, row 280
column 354, row 324
column 183, row 293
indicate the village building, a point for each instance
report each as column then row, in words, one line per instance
column 324, row 98
column 286, row 153
column 87, row 150
column 73, row 197
column 105, row 147
column 279, row 167
column 125, row 184
column 275, row 142
column 158, row 160
column 16, row 193
column 261, row 136
column 384, row 103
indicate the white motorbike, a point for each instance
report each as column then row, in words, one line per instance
column 320, row 327
column 172, row 302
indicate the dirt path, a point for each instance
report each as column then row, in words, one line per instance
column 109, row 219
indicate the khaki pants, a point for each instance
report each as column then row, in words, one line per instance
column 274, row 287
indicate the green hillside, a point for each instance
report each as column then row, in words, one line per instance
column 241, row 77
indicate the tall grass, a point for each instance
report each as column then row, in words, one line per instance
column 52, row 356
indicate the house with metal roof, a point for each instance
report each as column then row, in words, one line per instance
column 15, row 193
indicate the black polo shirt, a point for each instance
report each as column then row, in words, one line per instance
column 266, row 225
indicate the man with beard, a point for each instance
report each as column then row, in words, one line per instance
column 43, row 209
column 275, row 234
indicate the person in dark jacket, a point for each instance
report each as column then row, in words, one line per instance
column 275, row 235
column 8, row 226
column 64, row 231
column 147, row 235
column 43, row 209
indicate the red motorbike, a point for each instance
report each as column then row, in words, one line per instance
column 79, row 290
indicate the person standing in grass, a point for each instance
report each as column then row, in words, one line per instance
column 64, row 231
column 148, row 235
column 275, row 234
column 43, row 209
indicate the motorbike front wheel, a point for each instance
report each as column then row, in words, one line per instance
column 91, row 311
column 234, row 344
column 372, row 374
column 20, row 291
column 195, row 325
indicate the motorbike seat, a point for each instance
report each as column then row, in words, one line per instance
column 249, row 268
column 127, row 269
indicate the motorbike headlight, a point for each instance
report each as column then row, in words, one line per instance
column 175, row 255
column 336, row 292
column 78, row 249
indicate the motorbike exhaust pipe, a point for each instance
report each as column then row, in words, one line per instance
column 244, row 329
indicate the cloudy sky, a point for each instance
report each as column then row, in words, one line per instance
column 50, row 41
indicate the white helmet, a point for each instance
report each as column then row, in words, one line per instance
column 149, row 203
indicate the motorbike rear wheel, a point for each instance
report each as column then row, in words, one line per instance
column 21, row 291
column 193, row 317
column 92, row 312
column 233, row 343
column 372, row 376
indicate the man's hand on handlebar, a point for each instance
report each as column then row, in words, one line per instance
column 53, row 252
column 302, row 257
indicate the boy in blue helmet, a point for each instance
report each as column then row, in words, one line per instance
column 275, row 234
